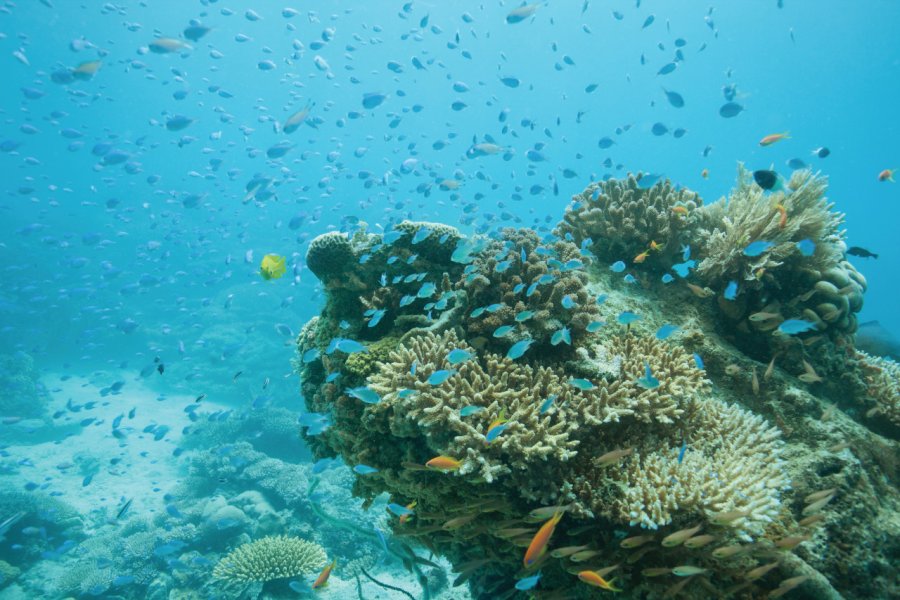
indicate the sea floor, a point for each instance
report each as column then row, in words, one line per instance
column 78, row 460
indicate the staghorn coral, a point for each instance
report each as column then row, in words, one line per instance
column 622, row 217
column 270, row 558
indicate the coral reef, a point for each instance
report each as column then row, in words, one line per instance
column 882, row 376
column 538, row 288
column 270, row 558
column 21, row 392
column 685, row 457
column 617, row 220
column 789, row 279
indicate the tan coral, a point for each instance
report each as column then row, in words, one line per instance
column 622, row 218
column 883, row 386
column 502, row 279
column 269, row 558
column 731, row 463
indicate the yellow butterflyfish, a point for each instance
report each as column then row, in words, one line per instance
column 272, row 266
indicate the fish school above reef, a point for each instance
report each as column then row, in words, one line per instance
column 662, row 397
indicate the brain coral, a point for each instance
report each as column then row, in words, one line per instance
column 270, row 558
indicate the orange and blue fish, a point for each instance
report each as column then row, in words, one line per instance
column 322, row 579
column 444, row 463
column 541, row 540
column 594, row 578
column 774, row 137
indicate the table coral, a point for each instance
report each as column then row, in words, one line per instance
column 270, row 558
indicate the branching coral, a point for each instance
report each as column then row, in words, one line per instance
column 517, row 275
column 270, row 558
column 730, row 462
column 811, row 282
column 883, row 386
column 622, row 217
column 619, row 428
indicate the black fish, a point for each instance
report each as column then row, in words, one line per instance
column 161, row 368
column 730, row 110
column 765, row 179
column 860, row 252
column 124, row 509
column 822, row 152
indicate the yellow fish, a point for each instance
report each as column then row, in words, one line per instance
column 272, row 266
column 86, row 70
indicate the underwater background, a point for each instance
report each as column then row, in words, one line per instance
column 262, row 263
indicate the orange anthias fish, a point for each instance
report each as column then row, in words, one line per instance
column 681, row 210
column 782, row 221
column 886, row 175
column 642, row 256
column 322, row 579
column 444, row 463
column 272, row 267
column 593, row 578
column 775, row 137
column 541, row 539
column 655, row 246
column 704, row 173
column 405, row 518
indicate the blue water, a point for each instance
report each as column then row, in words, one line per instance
column 108, row 270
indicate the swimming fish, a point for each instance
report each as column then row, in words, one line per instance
column 807, row 247
column 774, row 137
column 458, row 355
column 767, row 179
column 296, row 120
column 562, row 335
column 795, row 326
column 528, row 583
column 821, row 152
column 272, row 266
column 444, row 463
column 887, row 175
column 860, row 252
column 541, row 539
column 517, row 15
column 364, row 469
column 627, row 318
column 648, row 381
column 519, row 348
column 439, row 377
column 364, row 393
column 756, row 248
column 322, row 579
column 594, row 579
column 731, row 290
